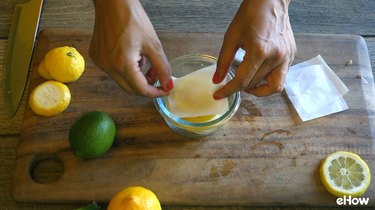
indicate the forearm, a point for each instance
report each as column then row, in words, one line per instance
column 266, row 17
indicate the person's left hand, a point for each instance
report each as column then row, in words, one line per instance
column 123, row 38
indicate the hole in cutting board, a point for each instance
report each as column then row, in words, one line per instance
column 46, row 168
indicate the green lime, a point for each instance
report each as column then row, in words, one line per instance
column 92, row 135
column 92, row 206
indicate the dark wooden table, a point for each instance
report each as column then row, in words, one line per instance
column 307, row 16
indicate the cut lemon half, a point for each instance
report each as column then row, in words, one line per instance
column 49, row 98
column 345, row 173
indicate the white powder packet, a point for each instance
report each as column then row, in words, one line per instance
column 315, row 90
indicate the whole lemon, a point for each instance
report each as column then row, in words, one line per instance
column 92, row 135
column 64, row 64
column 134, row 198
column 43, row 71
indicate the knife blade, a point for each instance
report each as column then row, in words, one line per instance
column 20, row 48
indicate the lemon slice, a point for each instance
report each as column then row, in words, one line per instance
column 345, row 173
column 49, row 98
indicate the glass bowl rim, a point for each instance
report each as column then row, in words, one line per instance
column 162, row 109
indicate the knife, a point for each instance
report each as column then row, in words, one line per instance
column 19, row 53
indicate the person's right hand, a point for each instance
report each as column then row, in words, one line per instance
column 123, row 37
column 262, row 28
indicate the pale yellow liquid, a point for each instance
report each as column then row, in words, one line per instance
column 200, row 119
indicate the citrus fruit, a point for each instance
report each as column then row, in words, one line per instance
column 49, row 98
column 92, row 135
column 91, row 206
column 43, row 72
column 63, row 64
column 134, row 198
column 345, row 173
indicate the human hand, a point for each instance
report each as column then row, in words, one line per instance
column 262, row 28
column 123, row 37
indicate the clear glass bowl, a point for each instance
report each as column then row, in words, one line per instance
column 184, row 65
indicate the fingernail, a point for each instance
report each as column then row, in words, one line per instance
column 217, row 97
column 216, row 78
column 170, row 84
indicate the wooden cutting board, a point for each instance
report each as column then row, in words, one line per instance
column 264, row 156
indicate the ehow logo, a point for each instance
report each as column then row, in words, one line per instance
column 352, row 201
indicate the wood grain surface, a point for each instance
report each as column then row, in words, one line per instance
column 307, row 16
column 263, row 156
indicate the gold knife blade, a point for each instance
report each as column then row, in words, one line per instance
column 20, row 48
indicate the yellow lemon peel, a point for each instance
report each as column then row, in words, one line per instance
column 345, row 173
column 132, row 198
column 63, row 64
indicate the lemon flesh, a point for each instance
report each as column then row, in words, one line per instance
column 345, row 173
column 132, row 198
column 63, row 64
column 49, row 98
column 92, row 135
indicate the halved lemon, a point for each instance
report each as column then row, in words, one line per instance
column 50, row 98
column 345, row 173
